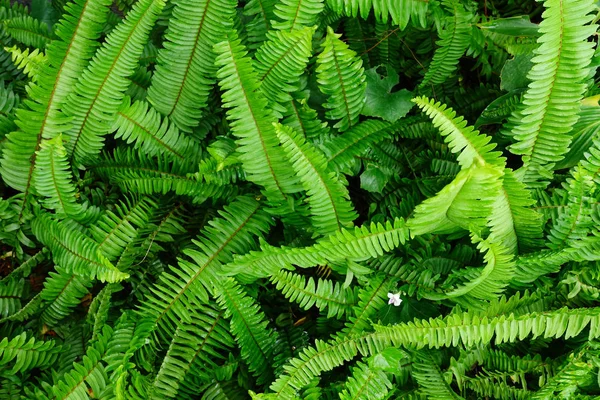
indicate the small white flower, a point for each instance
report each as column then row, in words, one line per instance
column 394, row 299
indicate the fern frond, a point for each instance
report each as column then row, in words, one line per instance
column 371, row 300
column 11, row 291
column 140, row 124
column 261, row 14
column 249, row 326
column 552, row 100
column 116, row 229
column 305, row 120
column 358, row 245
column 251, row 121
column 429, row 377
column 76, row 253
column 294, row 14
column 77, row 35
column 471, row 329
column 342, row 78
column 29, row 31
column 62, row 292
column 366, row 382
column 53, row 179
column 191, row 282
column 279, row 64
column 474, row 147
column 100, row 90
column 30, row 62
column 454, row 40
column 194, row 352
column 342, row 150
column 21, row 354
column 325, row 294
column 328, row 198
column 185, row 70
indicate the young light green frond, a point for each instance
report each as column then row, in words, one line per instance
column 116, row 229
column 491, row 280
column 324, row 294
column 62, row 292
column 513, row 222
column 366, row 383
column 77, row 34
column 190, row 282
column 52, row 178
column 31, row 62
column 468, row 329
column 584, row 133
column 552, row 100
column 342, row 78
column 362, row 243
column 185, row 70
column 294, row 14
column 342, row 150
column 454, row 40
column 400, row 11
column 21, row 353
column 279, row 64
column 252, row 121
column 76, row 253
column 474, row 147
column 328, row 198
column 250, row 328
column 100, row 90
column 193, row 352
column 140, row 124
column 29, row 31
column 466, row 202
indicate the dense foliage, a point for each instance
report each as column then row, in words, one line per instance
column 299, row 199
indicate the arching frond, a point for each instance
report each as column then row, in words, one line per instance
column 400, row 11
column 294, row 14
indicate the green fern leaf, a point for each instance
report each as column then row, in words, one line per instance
column 428, row 375
column 294, row 14
column 11, row 291
column 191, row 282
column 552, row 101
column 454, row 40
column 328, row 198
column 366, row 382
column 185, row 70
column 154, row 135
column 280, row 62
column 194, row 352
column 77, row 34
column 20, row 354
column 62, row 292
column 251, row 121
column 29, row 31
column 249, row 326
column 400, row 11
column 76, row 253
column 342, row 78
column 100, row 90
column 325, row 294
